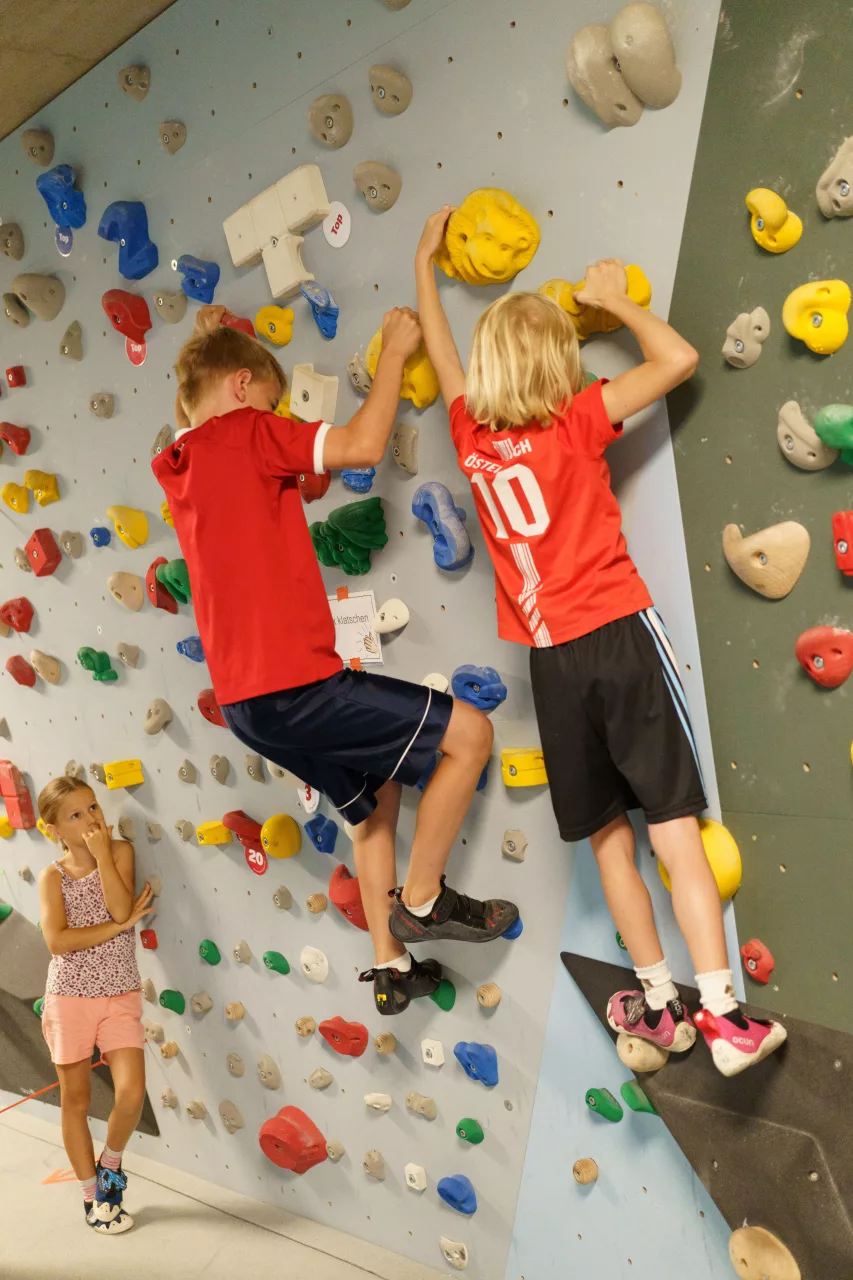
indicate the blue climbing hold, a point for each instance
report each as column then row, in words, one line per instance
column 359, row 479
column 458, row 1191
column 481, row 686
column 66, row 205
column 125, row 223
column 100, row 536
column 322, row 832
column 484, row 778
column 434, row 505
column 323, row 307
column 191, row 648
column 514, row 930
column 200, row 277
column 478, row 1061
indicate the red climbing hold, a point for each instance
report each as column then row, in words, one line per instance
column 42, row 551
column 826, row 653
column 20, row 670
column 16, row 795
column 148, row 938
column 346, row 1038
column 16, row 377
column 345, row 894
column 757, row 960
column 17, row 613
column 312, row 487
column 292, row 1140
column 209, row 708
column 238, row 322
column 128, row 313
column 247, row 831
column 156, row 592
column 17, row 438
column 842, row 533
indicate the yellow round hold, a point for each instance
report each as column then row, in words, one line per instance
column 275, row 324
column 489, row 238
column 130, row 525
column 281, row 836
column 420, row 380
column 722, row 853
column 590, row 320
column 774, row 227
column 6, row 828
column 816, row 313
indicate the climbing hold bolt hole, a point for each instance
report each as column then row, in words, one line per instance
column 512, row 24
column 349, row 22
column 813, row 1175
column 799, row 93
column 500, row 135
column 834, row 979
column 728, row 459
column 550, row 213
column 299, row 55
column 837, row 1064
column 438, row 165
column 734, row 764
column 806, row 767
column 620, row 184
column 254, row 84
column 443, row 610
column 782, row 867
column 449, row 59
column 707, row 566
column 756, row 663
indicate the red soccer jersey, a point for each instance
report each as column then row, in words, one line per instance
column 258, row 595
column 551, row 522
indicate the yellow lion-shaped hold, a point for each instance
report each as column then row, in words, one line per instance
column 488, row 239
column 420, row 380
column 590, row 320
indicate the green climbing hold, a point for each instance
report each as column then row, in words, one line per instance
column 173, row 1000
column 470, row 1131
column 275, row 960
column 5, row 911
column 349, row 534
column 619, row 940
column 98, row 662
column 590, row 377
column 634, row 1098
column 444, row 995
column 38, row 1007
column 175, row 577
column 209, row 951
column 834, row 426
column 602, row 1102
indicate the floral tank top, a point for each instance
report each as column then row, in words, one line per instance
column 109, row 969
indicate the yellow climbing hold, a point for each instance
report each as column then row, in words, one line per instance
column 6, row 828
column 722, row 853
column 275, row 324
column 523, row 768
column 42, row 828
column 131, row 525
column 44, row 486
column 16, row 496
column 281, row 836
column 282, row 409
column 213, row 833
column 488, row 239
column 590, row 320
column 774, row 227
column 816, row 313
column 166, row 514
column 123, row 773
column 420, row 380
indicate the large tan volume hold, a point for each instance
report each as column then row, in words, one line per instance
column 643, row 47
column 770, row 561
column 639, row 1054
column 595, row 77
column 757, row 1254
column 585, row 1171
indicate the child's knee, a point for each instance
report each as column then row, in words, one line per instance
column 470, row 733
column 76, row 1099
column 130, row 1097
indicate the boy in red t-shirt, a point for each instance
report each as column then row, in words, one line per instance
column 269, row 639
column 616, row 735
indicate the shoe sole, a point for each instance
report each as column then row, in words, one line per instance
column 441, row 933
column 731, row 1061
column 684, row 1038
column 113, row 1227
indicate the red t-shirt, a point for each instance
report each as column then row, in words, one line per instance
column 551, row 522
column 258, row 595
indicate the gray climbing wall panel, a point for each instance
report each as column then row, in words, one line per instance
column 782, row 743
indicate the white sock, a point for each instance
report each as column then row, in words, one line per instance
column 89, row 1187
column 403, row 963
column 425, row 908
column 716, row 992
column 657, row 984
column 111, row 1159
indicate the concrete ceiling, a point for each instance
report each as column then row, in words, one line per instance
column 45, row 45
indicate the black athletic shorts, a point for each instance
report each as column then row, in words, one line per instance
column 615, row 729
column 346, row 735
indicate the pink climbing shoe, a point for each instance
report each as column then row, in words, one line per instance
column 736, row 1042
column 670, row 1028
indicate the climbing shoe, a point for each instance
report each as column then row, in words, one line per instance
column 736, row 1042
column 670, row 1028
column 393, row 991
column 106, row 1215
column 454, row 918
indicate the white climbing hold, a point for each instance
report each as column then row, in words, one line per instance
column 335, row 1150
column 169, row 1098
column 435, row 680
column 454, row 1252
column 315, row 966
column 149, row 991
column 153, row 1031
column 378, row 1101
column 639, row 1054
column 393, row 615
column 201, row 1003
column 432, row 1051
column 415, row 1175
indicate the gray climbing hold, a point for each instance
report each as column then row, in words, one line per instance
column 12, row 240
column 268, row 1072
column 834, row 189
column 379, row 184
column 594, row 75
column 102, row 404
column 421, row 1106
column 187, row 771
column 15, row 311
column 330, row 120
column 404, row 447
column 196, row 1109
column 242, row 952
column 390, row 89
column 335, row 1150
column 135, row 82
column 156, row 885
column 71, row 543
column 374, row 1165
column 21, row 560
column 230, row 1115
column 184, row 829
column 358, row 375
column 283, row 898
column 149, row 991
column 43, row 295
column 153, row 830
column 236, row 1066
column 254, row 767
column 127, row 589
column 38, row 144
column 153, row 1031
column 128, row 653
column 158, row 715
column 170, row 307
column 162, row 440
column 454, row 1252
column 745, row 337
column 75, row 769
column 799, row 442
column 173, row 135
column 97, row 771
column 220, row 768
column 201, row 1003
column 169, row 1098
column 126, row 829
column 320, row 1079
column 514, row 845
column 72, row 342
column 643, row 49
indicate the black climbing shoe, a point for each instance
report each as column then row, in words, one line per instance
column 393, row 991
column 454, row 918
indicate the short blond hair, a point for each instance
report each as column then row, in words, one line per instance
column 525, row 362
column 207, row 357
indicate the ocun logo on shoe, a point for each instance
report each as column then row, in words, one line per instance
column 742, row 1040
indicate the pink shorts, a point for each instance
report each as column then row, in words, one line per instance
column 73, row 1025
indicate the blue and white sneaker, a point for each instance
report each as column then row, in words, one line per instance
column 106, row 1216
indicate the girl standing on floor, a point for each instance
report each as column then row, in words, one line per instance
column 93, row 996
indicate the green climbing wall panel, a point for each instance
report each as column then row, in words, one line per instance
column 774, row 116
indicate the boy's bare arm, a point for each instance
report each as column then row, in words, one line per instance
column 438, row 338
column 362, row 442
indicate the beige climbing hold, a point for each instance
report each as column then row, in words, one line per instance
column 184, row 829
column 770, row 561
column 173, row 135
column 454, row 1252
column 335, row 1150
column 314, row 396
column 46, row 666
column 799, row 442
column 135, row 82
column 235, row 1011
column 102, row 404
column 75, row 769
column 757, row 1254
column 330, row 120
column 421, row 1106
column 235, row 1065
column 127, row 589
column 643, row 48
column 305, row 1027
column 585, row 1171
column 283, row 898
column 71, row 344
column 242, row 952
column 163, row 438
column 169, row 1049
column 153, row 830
column 374, row 1164
column 386, row 1043
column 595, row 77
column 153, row 1031
column 231, row 1116
column 489, row 995
column 316, row 903
column 149, row 991
column 43, row 295
column 201, row 1003
column 393, row 615
column 390, row 89
column 196, row 1109
column 38, row 145
column 158, row 715
column 12, row 241
column 169, row 1098
column 126, row 829
column 96, row 769
column 268, row 1072
column 640, row 1055
column 435, row 680
column 320, row 1079
column 220, row 767
column 156, row 885
column 254, row 767
column 378, row 183
column 71, row 543
column 22, row 561
column 187, row 771
column 745, row 337
column 15, row 311
column 127, row 653
column 26, row 873
column 834, row 189
column 514, row 845
column 378, row 1101
column 415, row 1175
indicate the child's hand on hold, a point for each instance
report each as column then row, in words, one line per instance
column 605, row 280
column 141, row 906
column 99, row 840
column 209, row 318
column 401, row 332
column 433, row 233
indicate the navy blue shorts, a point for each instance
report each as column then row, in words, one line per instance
column 346, row 735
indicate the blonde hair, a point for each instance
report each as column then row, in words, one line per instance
column 51, row 797
column 525, row 362
column 207, row 357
